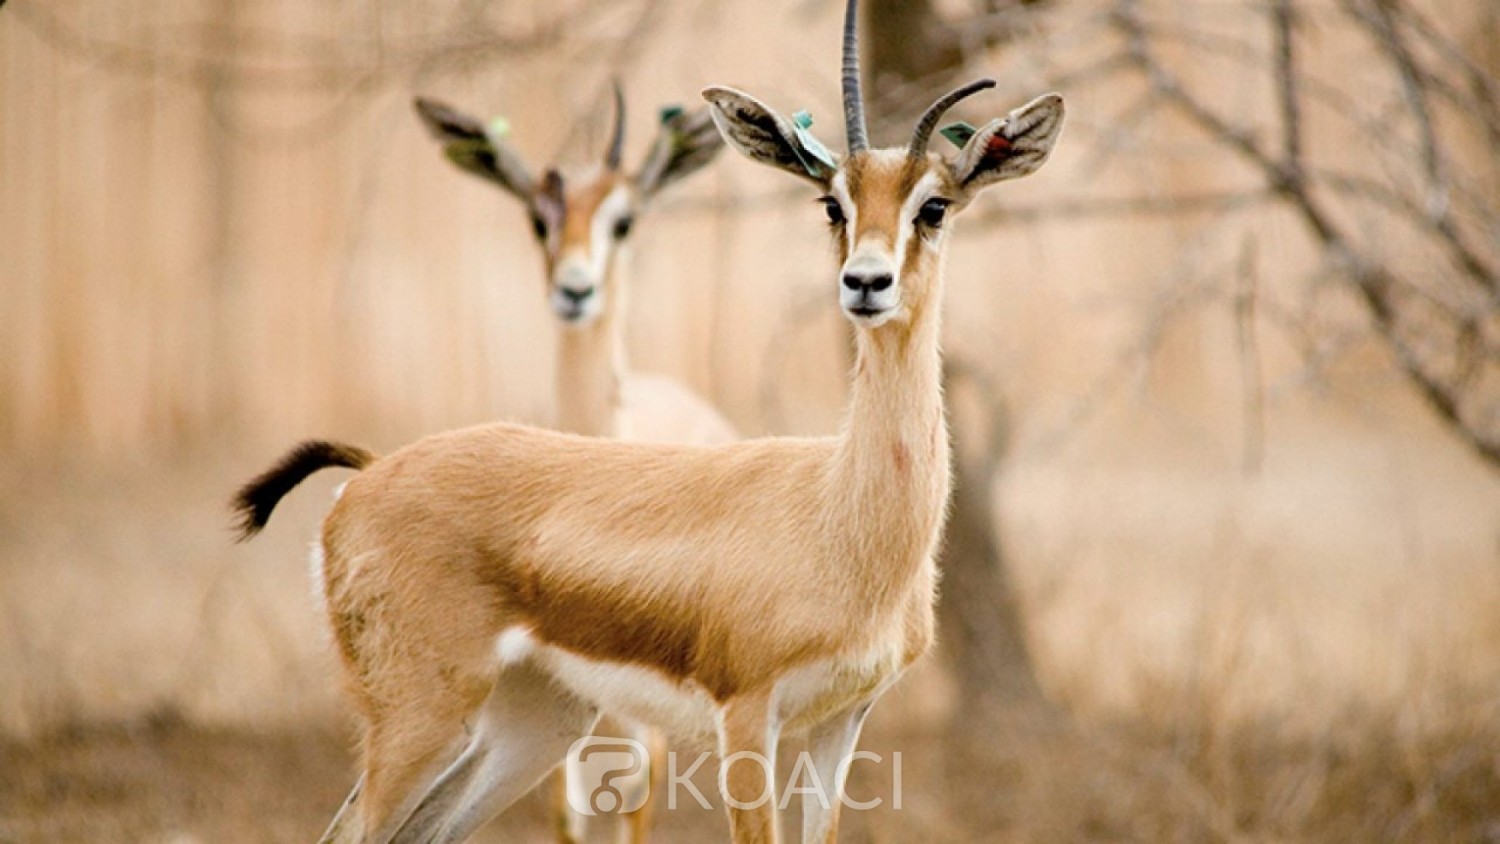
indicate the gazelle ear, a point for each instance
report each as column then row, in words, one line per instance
column 687, row 142
column 760, row 134
column 475, row 147
column 1011, row 147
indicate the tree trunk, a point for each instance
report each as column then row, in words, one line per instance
column 910, row 55
column 981, row 629
column 916, row 56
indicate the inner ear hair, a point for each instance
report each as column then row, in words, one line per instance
column 1011, row 147
column 686, row 143
column 472, row 147
column 762, row 135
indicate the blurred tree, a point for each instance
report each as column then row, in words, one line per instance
column 1440, row 324
column 1389, row 176
column 1431, row 127
column 914, row 52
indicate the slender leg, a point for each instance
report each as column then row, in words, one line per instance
column 636, row 825
column 748, row 735
column 633, row 827
column 570, row 826
column 526, row 726
column 338, row 830
column 829, row 746
column 403, row 757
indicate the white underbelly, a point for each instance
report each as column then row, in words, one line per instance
column 806, row 696
column 680, row 708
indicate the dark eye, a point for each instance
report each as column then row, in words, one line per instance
column 622, row 227
column 539, row 226
column 933, row 211
column 833, row 209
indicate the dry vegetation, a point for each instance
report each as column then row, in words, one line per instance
column 1256, row 561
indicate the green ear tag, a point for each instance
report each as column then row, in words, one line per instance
column 497, row 128
column 958, row 133
column 670, row 113
column 806, row 143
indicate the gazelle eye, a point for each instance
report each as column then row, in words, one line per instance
column 833, row 209
column 933, row 212
column 539, row 226
column 622, row 227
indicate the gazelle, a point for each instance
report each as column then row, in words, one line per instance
column 583, row 222
column 491, row 589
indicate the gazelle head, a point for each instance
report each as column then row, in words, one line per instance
column 581, row 219
column 889, row 209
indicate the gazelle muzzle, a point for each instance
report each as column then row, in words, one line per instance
column 575, row 295
column 868, row 291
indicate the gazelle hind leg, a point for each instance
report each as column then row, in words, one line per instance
column 401, row 764
column 524, row 730
column 343, row 829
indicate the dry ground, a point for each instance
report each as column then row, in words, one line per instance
column 165, row 781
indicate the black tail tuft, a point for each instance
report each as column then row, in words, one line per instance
column 255, row 500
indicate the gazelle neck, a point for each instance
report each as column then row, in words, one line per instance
column 590, row 365
column 891, row 472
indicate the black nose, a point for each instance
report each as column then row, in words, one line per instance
column 576, row 296
column 868, row 283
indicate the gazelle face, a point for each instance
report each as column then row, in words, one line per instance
column 582, row 226
column 887, row 211
column 581, row 221
column 889, row 208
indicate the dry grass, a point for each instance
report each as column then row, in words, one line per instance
column 1035, row 781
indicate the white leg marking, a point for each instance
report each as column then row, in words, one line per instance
column 829, row 746
column 525, row 728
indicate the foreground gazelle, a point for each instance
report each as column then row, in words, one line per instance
column 492, row 589
column 583, row 221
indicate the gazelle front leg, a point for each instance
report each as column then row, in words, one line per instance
column 829, row 747
column 748, row 734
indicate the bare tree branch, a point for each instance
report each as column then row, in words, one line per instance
column 1377, row 285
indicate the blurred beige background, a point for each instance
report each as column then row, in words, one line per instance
column 222, row 229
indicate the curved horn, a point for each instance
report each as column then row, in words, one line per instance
column 935, row 112
column 854, row 101
column 617, row 140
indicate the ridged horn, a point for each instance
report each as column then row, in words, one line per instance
column 854, row 101
column 935, row 112
column 617, row 139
